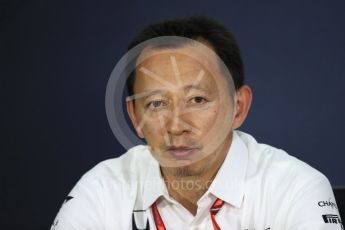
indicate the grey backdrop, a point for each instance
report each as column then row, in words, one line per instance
column 56, row 57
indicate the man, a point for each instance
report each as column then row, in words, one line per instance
column 187, row 97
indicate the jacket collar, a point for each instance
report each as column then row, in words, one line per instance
column 229, row 183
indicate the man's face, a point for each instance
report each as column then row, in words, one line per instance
column 183, row 108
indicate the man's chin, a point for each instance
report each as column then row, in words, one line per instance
column 185, row 171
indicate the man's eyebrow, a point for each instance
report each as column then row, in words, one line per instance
column 145, row 94
column 149, row 93
column 195, row 86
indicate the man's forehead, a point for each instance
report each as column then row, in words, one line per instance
column 188, row 64
column 162, row 85
column 197, row 55
column 169, row 58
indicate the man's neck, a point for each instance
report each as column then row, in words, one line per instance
column 187, row 190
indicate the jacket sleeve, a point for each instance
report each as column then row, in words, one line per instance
column 313, row 207
column 82, row 209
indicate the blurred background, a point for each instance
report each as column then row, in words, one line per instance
column 56, row 58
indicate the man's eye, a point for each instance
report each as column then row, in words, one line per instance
column 198, row 100
column 155, row 104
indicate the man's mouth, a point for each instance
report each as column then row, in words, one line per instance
column 181, row 152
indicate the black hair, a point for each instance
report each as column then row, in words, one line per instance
column 196, row 28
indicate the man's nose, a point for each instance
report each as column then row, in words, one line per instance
column 175, row 123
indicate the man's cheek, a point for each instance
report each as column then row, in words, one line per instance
column 206, row 120
column 152, row 134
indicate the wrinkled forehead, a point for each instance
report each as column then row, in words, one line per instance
column 195, row 54
column 171, row 62
column 189, row 63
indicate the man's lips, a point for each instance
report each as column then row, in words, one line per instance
column 181, row 152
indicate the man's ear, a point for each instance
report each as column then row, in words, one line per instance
column 242, row 105
column 133, row 117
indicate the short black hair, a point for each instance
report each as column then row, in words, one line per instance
column 196, row 28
